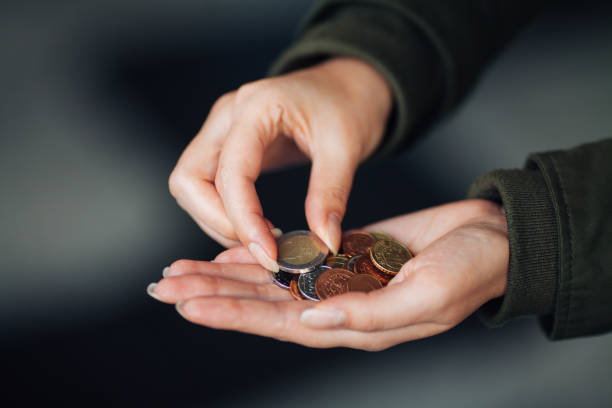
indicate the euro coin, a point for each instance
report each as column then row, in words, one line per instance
column 389, row 256
column 362, row 283
column 294, row 290
column 300, row 251
column 357, row 243
column 332, row 282
column 350, row 265
column 282, row 279
column 306, row 282
column 337, row 261
column 364, row 266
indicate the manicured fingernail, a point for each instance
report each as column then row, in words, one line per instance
column 151, row 289
column 276, row 232
column 179, row 308
column 261, row 257
column 165, row 271
column 323, row 318
column 333, row 233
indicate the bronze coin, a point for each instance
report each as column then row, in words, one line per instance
column 357, row 243
column 295, row 290
column 389, row 256
column 337, row 261
column 363, row 283
column 332, row 282
column 365, row 266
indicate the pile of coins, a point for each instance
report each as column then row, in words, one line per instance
column 368, row 261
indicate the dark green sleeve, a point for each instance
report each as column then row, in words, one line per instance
column 429, row 51
column 559, row 212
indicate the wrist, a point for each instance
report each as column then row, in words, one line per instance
column 367, row 95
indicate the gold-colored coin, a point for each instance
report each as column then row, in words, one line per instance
column 381, row 235
column 389, row 256
column 337, row 261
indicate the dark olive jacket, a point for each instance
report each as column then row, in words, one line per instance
column 558, row 208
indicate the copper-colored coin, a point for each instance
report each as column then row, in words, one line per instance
column 389, row 256
column 357, row 243
column 362, row 283
column 337, row 261
column 295, row 290
column 332, row 282
column 365, row 266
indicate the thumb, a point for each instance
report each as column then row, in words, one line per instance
column 331, row 178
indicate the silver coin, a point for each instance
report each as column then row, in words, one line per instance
column 351, row 263
column 300, row 251
column 306, row 282
column 282, row 279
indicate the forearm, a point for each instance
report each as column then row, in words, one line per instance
column 430, row 52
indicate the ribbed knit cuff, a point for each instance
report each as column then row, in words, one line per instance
column 532, row 232
column 386, row 41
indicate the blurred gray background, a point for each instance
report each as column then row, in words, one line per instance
column 97, row 101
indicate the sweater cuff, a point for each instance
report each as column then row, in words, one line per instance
column 532, row 234
column 386, row 41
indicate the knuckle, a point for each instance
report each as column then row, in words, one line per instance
column 177, row 182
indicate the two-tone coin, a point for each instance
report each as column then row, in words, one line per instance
column 357, row 243
column 362, row 283
column 282, row 279
column 300, row 251
column 306, row 282
column 389, row 256
column 337, row 261
column 332, row 282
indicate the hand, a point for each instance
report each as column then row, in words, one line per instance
column 333, row 114
column 461, row 262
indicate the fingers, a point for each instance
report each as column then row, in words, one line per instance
column 239, row 166
column 331, row 178
column 192, row 180
column 245, row 273
column 280, row 320
column 389, row 308
column 176, row 288
column 238, row 255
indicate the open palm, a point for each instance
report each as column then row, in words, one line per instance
column 461, row 261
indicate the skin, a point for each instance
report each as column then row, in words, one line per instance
column 461, row 261
column 332, row 114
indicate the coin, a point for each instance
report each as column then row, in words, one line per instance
column 350, row 265
column 332, row 282
column 306, row 282
column 282, row 279
column 300, row 251
column 294, row 290
column 357, row 243
column 389, row 256
column 337, row 261
column 381, row 235
column 364, row 266
column 362, row 283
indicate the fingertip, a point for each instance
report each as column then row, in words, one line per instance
column 262, row 257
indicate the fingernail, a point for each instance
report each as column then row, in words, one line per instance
column 323, row 318
column 179, row 308
column 261, row 257
column 333, row 232
column 165, row 271
column 150, row 290
column 276, row 232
